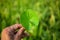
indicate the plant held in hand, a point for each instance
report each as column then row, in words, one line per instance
column 10, row 33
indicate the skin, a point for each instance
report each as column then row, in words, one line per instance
column 10, row 33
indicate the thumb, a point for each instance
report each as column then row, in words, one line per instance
column 19, row 34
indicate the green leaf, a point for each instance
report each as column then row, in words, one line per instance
column 34, row 17
column 24, row 20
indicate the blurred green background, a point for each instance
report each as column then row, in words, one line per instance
column 41, row 18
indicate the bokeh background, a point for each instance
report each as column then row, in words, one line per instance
column 41, row 18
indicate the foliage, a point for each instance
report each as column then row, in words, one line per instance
column 41, row 18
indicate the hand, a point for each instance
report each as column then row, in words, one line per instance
column 10, row 33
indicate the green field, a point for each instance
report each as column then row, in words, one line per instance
column 41, row 18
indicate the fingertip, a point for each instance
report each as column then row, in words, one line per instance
column 18, row 26
column 22, row 29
